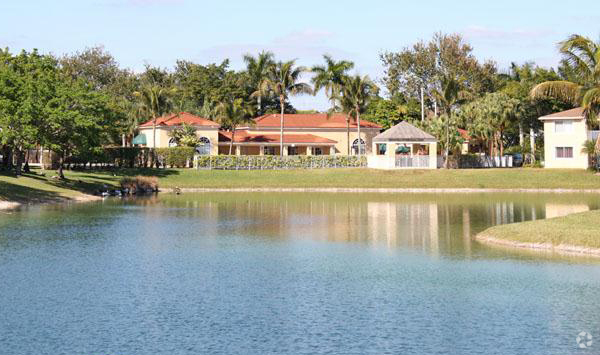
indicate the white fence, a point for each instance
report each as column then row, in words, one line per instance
column 412, row 161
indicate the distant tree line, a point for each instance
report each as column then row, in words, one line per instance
column 79, row 103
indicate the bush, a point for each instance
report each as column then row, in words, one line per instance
column 271, row 162
column 175, row 156
column 140, row 183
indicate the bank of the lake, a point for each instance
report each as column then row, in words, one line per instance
column 36, row 188
column 577, row 233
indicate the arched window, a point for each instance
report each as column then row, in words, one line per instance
column 203, row 147
column 355, row 147
column 172, row 143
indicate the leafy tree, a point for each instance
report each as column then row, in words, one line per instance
column 389, row 112
column 231, row 114
column 582, row 58
column 185, row 135
column 282, row 81
column 331, row 78
column 155, row 101
column 356, row 91
column 257, row 69
column 26, row 85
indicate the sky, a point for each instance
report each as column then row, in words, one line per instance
column 159, row 32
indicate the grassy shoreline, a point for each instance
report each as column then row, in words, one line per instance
column 37, row 188
column 578, row 233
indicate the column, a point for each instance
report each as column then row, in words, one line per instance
column 285, row 150
column 238, row 150
column 309, row 150
column 261, row 150
column 433, row 155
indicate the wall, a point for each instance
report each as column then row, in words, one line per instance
column 162, row 137
column 574, row 139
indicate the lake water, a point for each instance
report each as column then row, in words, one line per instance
column 275, row 273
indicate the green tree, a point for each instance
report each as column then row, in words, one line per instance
column 257, row 69
column 155, row 101
column 582, row 56
column 283, row 81
column 330, row 77
column 230, row 115
column 185, row 135
column 356, row 91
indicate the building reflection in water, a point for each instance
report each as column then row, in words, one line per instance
column 429, row 223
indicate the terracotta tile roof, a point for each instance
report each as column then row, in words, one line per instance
column 312, row 120
column 464, row 134
column 243, row 136
column 568, row 114
column 404, row 131
column 183, row 117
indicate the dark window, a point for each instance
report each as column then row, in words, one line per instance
column 564, row 152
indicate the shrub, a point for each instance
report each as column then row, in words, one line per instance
column 271, row 162
column 175, row 156
column 140, row 183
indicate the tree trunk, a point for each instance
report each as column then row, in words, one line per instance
column 521, row 135
column 447, row 150
column 154, row 134
column 61, row 162
column 232, row 138
column 281, row 102
column 348, row 133
column 358, row 130
column 26, row 167
column 123, row 140
column 19, row 156
column 422, row 106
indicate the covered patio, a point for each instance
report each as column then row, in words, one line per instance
column 246, row 143
column 403, row 146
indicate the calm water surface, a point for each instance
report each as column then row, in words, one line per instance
column 277, row 273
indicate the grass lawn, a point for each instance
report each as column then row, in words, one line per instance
column 579, row 229
column 34, row 187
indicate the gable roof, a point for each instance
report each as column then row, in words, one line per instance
column 176, row 119
column 575, row 113
column 404, row 132
column 243, row 136
column 309, row 120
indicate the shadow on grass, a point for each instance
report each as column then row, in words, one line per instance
column 19, row 193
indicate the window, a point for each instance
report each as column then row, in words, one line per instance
column 292, row 150
column 317, row 151
column 355, row 147
column 269, row 150
column 564, row 152
column 381, row 148
column 203, row 147
column 172, row 143
column 563, row 126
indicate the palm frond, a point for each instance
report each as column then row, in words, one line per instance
column 560, row 90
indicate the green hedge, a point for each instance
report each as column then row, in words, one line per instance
column 117, row 156
column 270, row 162
column 175, row 156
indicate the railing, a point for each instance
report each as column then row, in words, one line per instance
column 276, row 162
column 412, row 161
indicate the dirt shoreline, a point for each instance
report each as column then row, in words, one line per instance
column 564, row 249
column 377, row 190
column 11, row 205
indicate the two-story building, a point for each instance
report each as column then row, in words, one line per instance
column 564, row 136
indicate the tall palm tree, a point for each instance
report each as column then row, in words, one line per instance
column 356, row 92
column 331, row 78
column 257, row 68
column 283, row 80
column 583, row 57
column 449, row 96
column 231, row 114
column 156, row 101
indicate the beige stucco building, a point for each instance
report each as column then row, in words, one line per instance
column 564, row 136
column 304, row 134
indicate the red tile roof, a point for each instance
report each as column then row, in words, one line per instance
column 572, row 113
column 243, row 136
column 176, row 119
column 312, row 120
column 464, row 134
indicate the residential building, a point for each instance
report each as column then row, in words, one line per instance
column 304, row 134
column 564, row 136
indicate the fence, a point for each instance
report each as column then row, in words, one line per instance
column 274, row 162
column 412, row 161
column 475, row 161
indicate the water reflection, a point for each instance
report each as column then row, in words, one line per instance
column 435, row 224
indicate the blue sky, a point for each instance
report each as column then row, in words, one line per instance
column 159, row 32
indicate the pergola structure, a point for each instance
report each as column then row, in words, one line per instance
column 404, row 146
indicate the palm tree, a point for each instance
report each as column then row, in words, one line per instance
column 356, row 92
column 231, row 114
column 449, row 96
column 257, row 69
column 155, row 101
column 283, row 80
column 582, row 55
column 331, row 77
